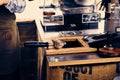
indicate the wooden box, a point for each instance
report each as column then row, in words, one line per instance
column 83, row 72
column 87, row 66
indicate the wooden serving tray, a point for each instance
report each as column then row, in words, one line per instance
column 110, row 52
column 81, row 46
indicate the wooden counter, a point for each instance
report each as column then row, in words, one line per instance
column 79, row 59
column 90, row 65
column 76, row 55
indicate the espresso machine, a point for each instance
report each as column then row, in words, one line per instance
column 60, row 18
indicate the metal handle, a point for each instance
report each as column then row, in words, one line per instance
column 35, row 44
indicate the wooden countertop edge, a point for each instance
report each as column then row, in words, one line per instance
column 70, row 50
column 82, row 62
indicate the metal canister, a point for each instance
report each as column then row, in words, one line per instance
column 85, row 2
